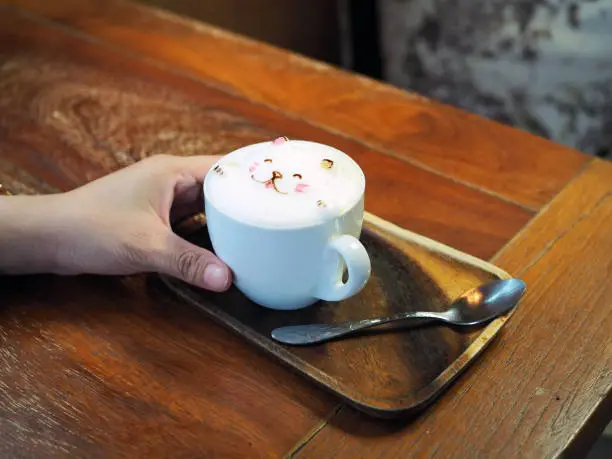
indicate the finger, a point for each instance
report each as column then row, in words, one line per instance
column 192, row 264
column 177, row 183
column 188, row 192
column 196, row 166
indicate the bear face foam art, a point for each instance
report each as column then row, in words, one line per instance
column 286, row 183
column 286, row 217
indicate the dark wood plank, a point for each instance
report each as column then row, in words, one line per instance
column 311, row 28
column 72, row 110
column 545, row 388
column 504, row 161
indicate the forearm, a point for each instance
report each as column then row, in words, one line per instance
column 29, row 234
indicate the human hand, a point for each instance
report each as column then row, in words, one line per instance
column 120, row 223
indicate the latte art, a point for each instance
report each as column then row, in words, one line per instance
column 285, row 183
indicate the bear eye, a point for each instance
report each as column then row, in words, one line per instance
column 297, row 176
column 267, row 160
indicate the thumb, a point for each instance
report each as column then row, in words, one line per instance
column 192, row 264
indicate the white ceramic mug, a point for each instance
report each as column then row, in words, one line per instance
column 291, row 268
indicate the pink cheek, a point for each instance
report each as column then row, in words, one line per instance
column 253, row 166
column 300, row 187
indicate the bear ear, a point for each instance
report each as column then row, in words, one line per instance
column 280, row 140
column 327, row 163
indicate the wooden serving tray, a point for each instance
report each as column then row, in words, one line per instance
column 389, row 373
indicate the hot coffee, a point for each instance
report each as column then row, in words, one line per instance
column 285, row 183
column 286, row 218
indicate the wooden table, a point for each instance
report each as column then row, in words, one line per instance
column 117, row 367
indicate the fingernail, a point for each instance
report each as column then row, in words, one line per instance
column 215, row 277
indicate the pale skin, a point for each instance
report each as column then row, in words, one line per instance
column 116, row 225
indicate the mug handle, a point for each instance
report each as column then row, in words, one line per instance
column 357, row 261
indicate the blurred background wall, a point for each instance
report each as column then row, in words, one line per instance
column 544, row 66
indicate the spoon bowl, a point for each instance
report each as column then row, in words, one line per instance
column 476, row 306
column 485, row 302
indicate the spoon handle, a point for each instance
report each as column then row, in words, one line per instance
column 316, row 333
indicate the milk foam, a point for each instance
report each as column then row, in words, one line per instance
column 282, row 183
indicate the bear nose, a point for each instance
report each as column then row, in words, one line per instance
column 276, row 175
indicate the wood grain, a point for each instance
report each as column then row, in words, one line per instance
column 114, row 367
column 70, row 116
column 545, row 388
column 104, row 367
column 387, row 375
column 503, row 161
column 561, row 214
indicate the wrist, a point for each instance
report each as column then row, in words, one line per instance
column 30, row 234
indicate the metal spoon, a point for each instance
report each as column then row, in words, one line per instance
column 474, row 307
